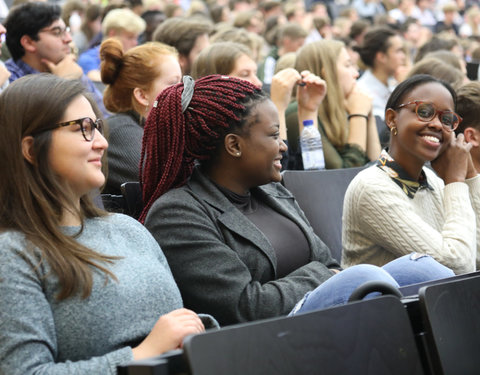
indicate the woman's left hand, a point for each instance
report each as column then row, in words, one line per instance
column 453, row 163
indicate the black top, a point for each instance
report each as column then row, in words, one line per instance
column 288, row 241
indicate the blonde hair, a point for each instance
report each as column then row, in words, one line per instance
column 123, row 72
column 122, row 19
column 320, row 58
column 470, row 18
column 197, row 7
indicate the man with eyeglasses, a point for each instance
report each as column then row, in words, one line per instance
column 39, row 41
column 121, row 24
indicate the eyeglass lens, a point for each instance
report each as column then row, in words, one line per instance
column 426, row 111
column 58, row 31
column 89, row 126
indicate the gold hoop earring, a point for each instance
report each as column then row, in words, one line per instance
column 394, row 130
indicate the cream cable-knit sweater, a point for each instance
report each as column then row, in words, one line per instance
column 380, row 223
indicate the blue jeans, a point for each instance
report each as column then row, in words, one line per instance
column 409, row 269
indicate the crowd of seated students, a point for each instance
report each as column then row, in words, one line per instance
column 220, row 240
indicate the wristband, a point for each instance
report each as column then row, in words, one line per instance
column 357, row 115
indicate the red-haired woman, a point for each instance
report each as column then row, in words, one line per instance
column 238, row 245
column 134, row 79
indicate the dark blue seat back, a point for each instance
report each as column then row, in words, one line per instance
column 320, row 195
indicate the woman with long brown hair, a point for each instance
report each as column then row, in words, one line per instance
column 345, row 121
column 81, row 291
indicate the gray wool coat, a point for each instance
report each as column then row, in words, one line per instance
column 222, row 263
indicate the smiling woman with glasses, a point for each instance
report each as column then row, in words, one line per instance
column 86, row 125
column 65, row 264
column 398, row 206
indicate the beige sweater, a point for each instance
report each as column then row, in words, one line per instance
column 380, row 223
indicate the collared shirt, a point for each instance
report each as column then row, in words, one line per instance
column 409, row 186
column 377, row 90
column 20, row 68
column 266, row 69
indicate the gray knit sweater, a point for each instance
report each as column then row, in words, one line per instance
column 40, row 335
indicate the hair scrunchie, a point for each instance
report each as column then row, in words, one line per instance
column 187, row 94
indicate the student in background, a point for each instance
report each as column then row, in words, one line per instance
column 226, row 58
column 4, row 73
column 121, row 24
column 133, row 79
column 39, row 41
column 346, row 124
column 468, row 107
column 382, row 51
column 189, row 36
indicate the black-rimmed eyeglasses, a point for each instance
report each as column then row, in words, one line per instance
column 87, row 125
column 426, row 111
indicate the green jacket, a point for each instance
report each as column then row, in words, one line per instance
column 347, row 156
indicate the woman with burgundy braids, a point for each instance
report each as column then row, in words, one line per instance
column 238, row 245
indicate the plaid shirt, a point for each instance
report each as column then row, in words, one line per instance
column 19, row 69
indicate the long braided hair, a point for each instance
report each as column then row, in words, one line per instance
column 173, row 140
